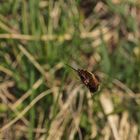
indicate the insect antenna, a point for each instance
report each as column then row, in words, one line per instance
column 71, row 67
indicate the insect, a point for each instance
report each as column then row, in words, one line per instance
column 88, row 79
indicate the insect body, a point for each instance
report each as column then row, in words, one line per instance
column 88, row 79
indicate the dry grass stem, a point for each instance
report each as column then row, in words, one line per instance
column 22, row 113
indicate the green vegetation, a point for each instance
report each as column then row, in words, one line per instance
column 41, row 98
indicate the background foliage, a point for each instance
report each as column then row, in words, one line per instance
column 41, row 98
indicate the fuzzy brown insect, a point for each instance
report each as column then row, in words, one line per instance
column 88, row 79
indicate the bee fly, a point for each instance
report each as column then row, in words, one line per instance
column 88, row 79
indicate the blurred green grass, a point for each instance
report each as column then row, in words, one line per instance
column 38, row 37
